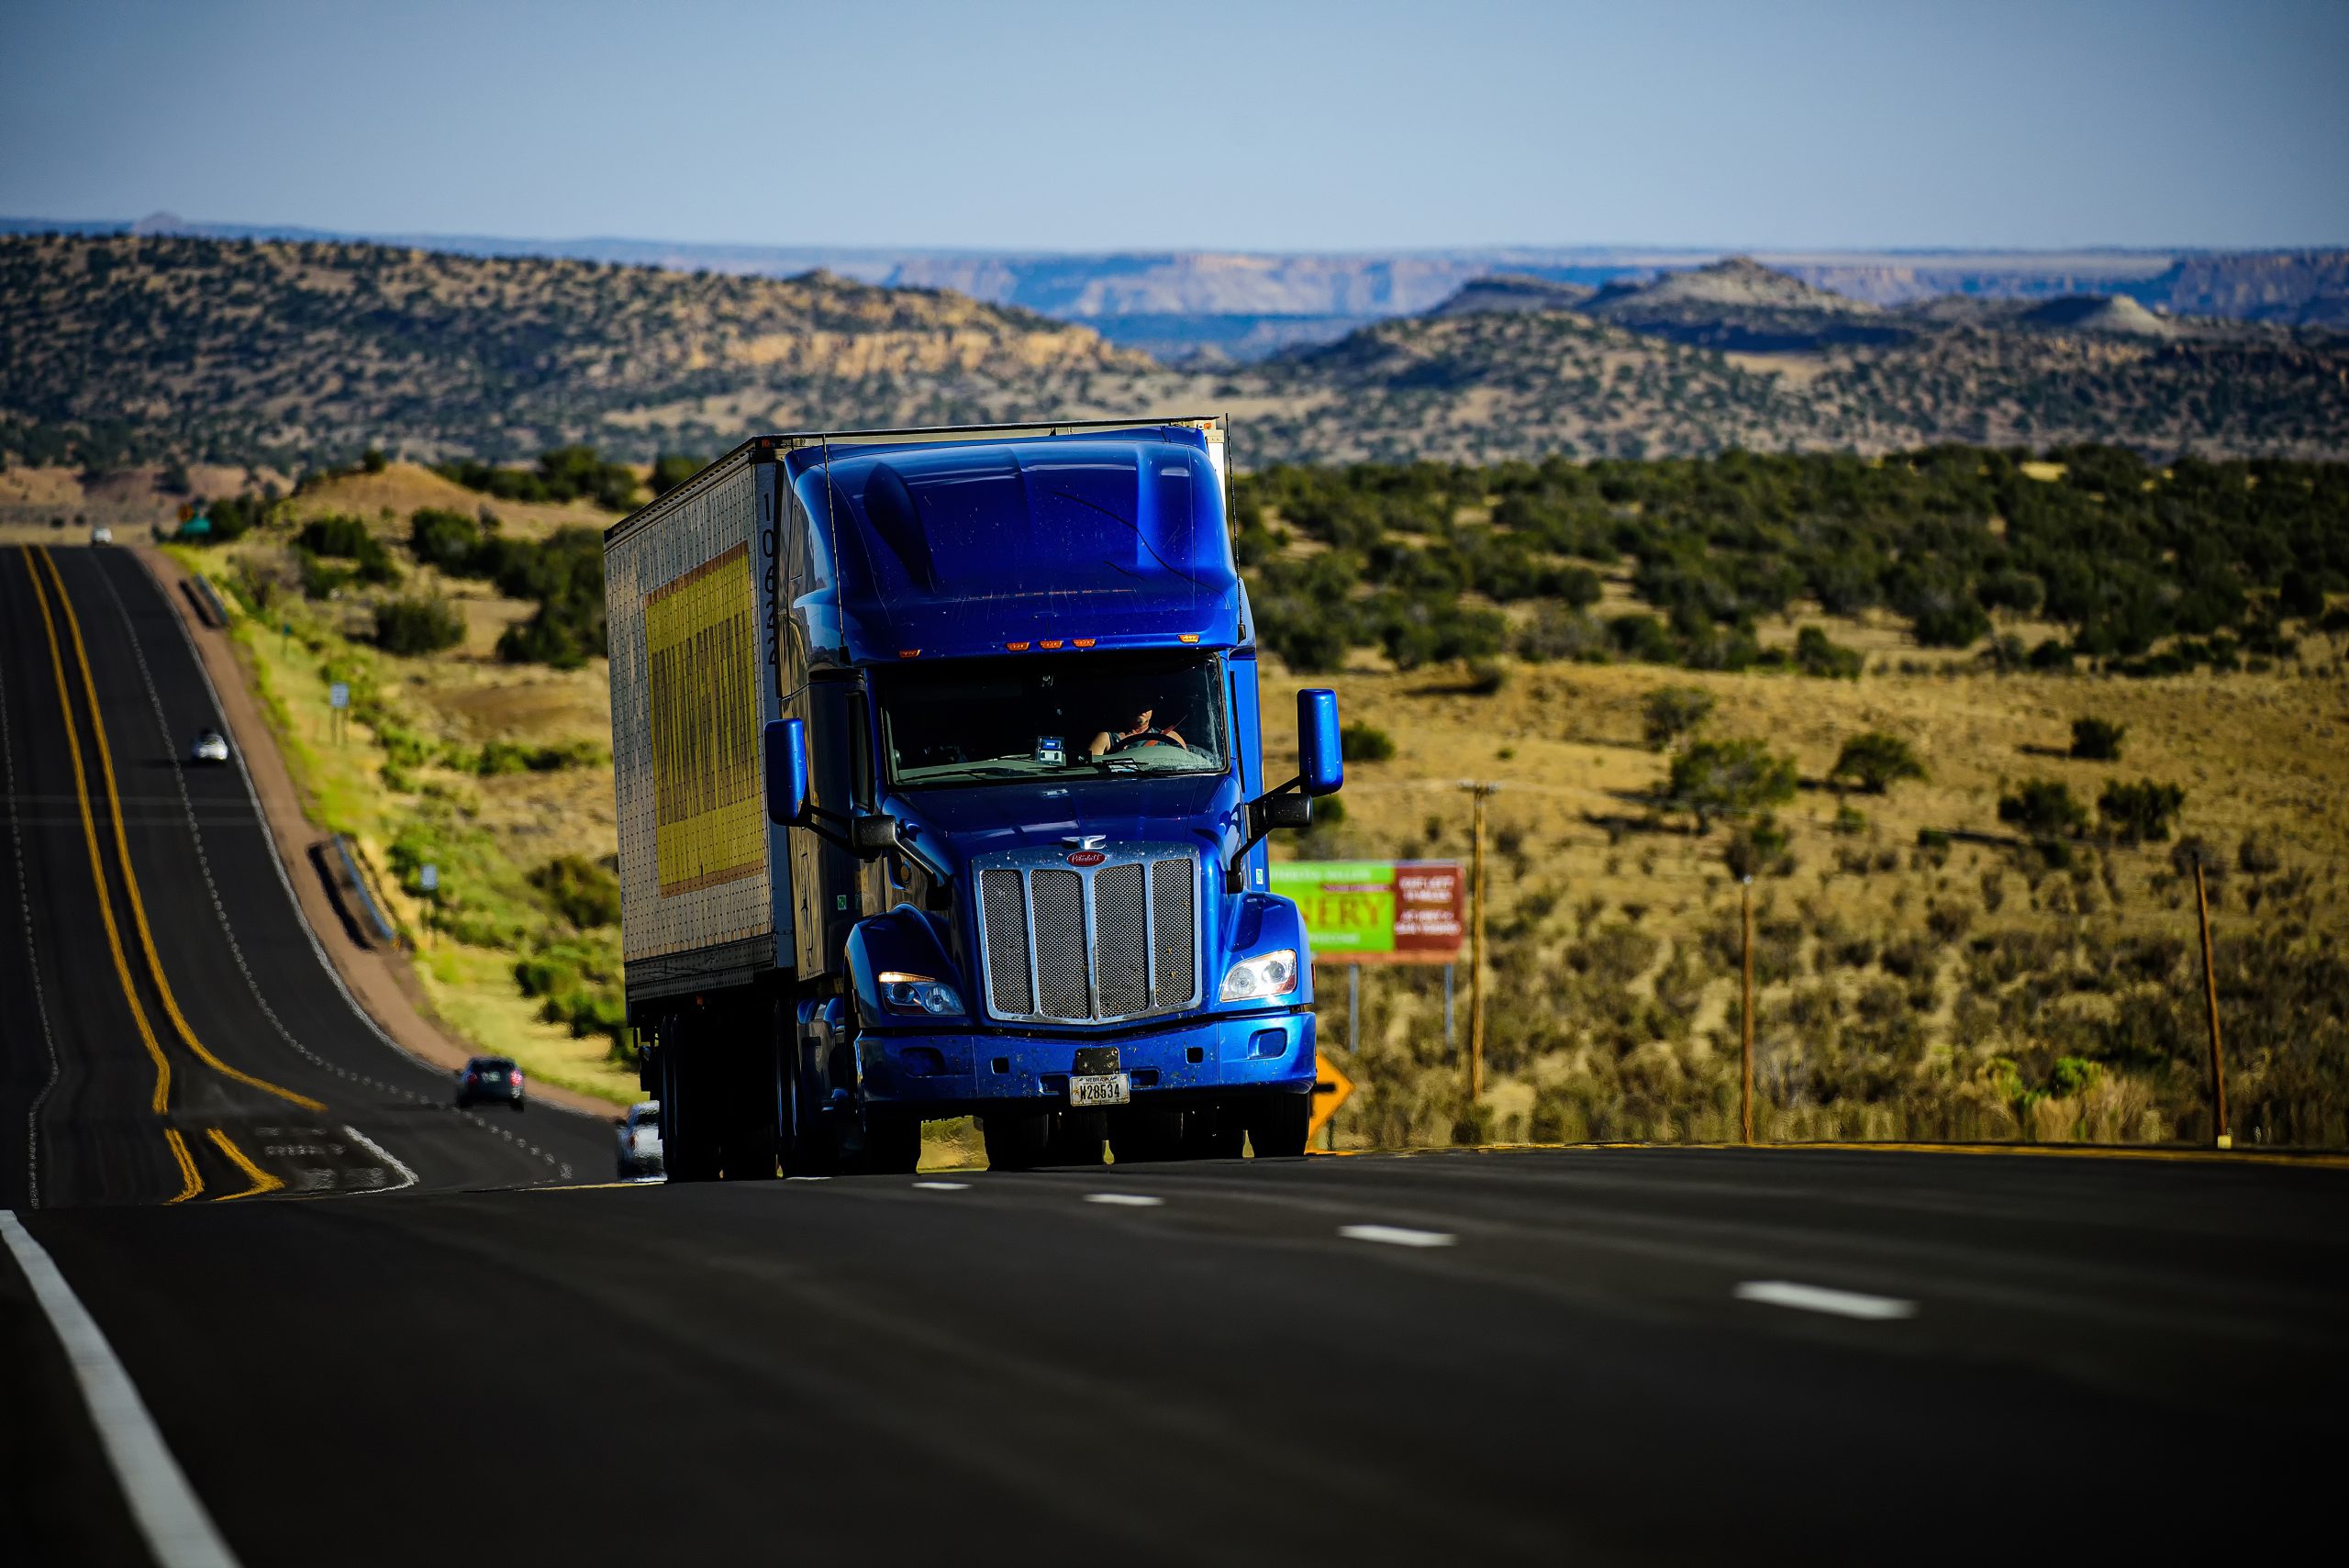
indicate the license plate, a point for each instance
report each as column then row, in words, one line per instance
column 1104, row 1089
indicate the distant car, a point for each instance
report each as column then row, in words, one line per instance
column 102, row 535
column 641, row 1140
column 491, row 1078
column 209, row 746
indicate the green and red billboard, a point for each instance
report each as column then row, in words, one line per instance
column 1376, row 911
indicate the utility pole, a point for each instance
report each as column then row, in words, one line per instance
column 1745, row 1015
column 2211, row 1003
column 1479, row 792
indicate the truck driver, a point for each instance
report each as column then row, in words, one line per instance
column 1141, row 733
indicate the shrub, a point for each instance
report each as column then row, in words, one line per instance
column 1876, row 762
column 1728, row 778
column 1643, row 637
column 1363, row 743
column 443, row 538
column 2096, row 739
column 348, row 537
column 372, row 460
column 1816, row 654
column 2257, row 855
column 1669, row 713
column 673, row 469
column 2044, row 808
column 1559, row 633
column 579, row 890
column 418, row 626
column 2139, row 812
column 1762, row 844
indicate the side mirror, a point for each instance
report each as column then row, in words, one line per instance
column 787, row 766
column 873, row 836
column 1321, row 761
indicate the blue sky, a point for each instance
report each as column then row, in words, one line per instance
column 1352, row 126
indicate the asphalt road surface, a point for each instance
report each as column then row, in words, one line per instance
column 1550, row 1356
column 174, row 1031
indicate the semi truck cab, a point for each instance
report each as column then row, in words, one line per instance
column 1011, row 808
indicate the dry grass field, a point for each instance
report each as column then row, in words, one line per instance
column 1923, row 970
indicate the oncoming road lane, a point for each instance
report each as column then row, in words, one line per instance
column 202, row 1049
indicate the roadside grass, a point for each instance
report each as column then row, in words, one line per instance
column 402, row 780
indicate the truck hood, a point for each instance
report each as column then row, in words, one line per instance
column 953, row 825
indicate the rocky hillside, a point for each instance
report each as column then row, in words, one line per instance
column 167, row 349
column 122, row 346
column 1811, row 371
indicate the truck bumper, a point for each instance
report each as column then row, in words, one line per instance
column 968, row 1074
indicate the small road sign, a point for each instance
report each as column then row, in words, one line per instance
column 338, row 695
column 428, row 878
column 1331, row 1089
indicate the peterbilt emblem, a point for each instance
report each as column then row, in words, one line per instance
column 1086, row 858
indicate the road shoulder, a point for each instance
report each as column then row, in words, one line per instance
column 381, row 983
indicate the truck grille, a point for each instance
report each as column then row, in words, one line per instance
column 1068, row 945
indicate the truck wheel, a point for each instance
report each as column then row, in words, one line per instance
column 1079, row 1138
column 1277, row 1125
column 892, row 1143
column 692, row 1154
column 1137, row 1136
column 1016, row 1141
column 1212, row 1132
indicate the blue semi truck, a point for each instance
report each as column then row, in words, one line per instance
column 941, row 793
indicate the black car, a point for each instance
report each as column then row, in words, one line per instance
column 491, row 1078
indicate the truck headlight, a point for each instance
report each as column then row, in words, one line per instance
column 1266, row 974
column 902, row 992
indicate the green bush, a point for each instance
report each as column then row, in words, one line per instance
column 579, row 890
column 1363, row 743
column 2139, row 812
column 1669, row 713
column 2096, row 739
column 2044, row 808
column 1876, row 762
column 348, row 537
column 673, row 469
column 1728, row 778
column 566, row 473
column 1816, row 654
column 418, row 626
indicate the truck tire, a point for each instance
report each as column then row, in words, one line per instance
column 1213, row 1132
column 1277, row 1125
column 1079, row 1138
column 692, row 1152
column 1138, row 1137
column 892, row 1143
column 1016, row 1141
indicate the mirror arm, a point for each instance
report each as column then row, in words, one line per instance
column 1235, row 875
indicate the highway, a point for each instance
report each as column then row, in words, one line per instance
column 372, row 1330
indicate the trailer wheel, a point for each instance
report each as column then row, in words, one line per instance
column 691, row 1153
column 1277, row 1125
column 1016, row 1141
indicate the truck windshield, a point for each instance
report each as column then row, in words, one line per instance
column 989, row 720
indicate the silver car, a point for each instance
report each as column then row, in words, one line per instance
column 209, row 746
column 640, row 1134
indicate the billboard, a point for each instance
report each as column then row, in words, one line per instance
column 1378, row 911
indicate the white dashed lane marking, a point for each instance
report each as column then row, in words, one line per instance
column 944, row 1186
column 1125, row 1200
column 1396, row 1236
column 1819, row 1299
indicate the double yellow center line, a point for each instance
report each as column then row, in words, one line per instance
column 193, row 1182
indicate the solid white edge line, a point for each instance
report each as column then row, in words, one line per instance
column 1820, row 1298
column 32, row 954
column 1396, row 1236
column 178, row 1529
column 1125, row 1200
column 385, row 1155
